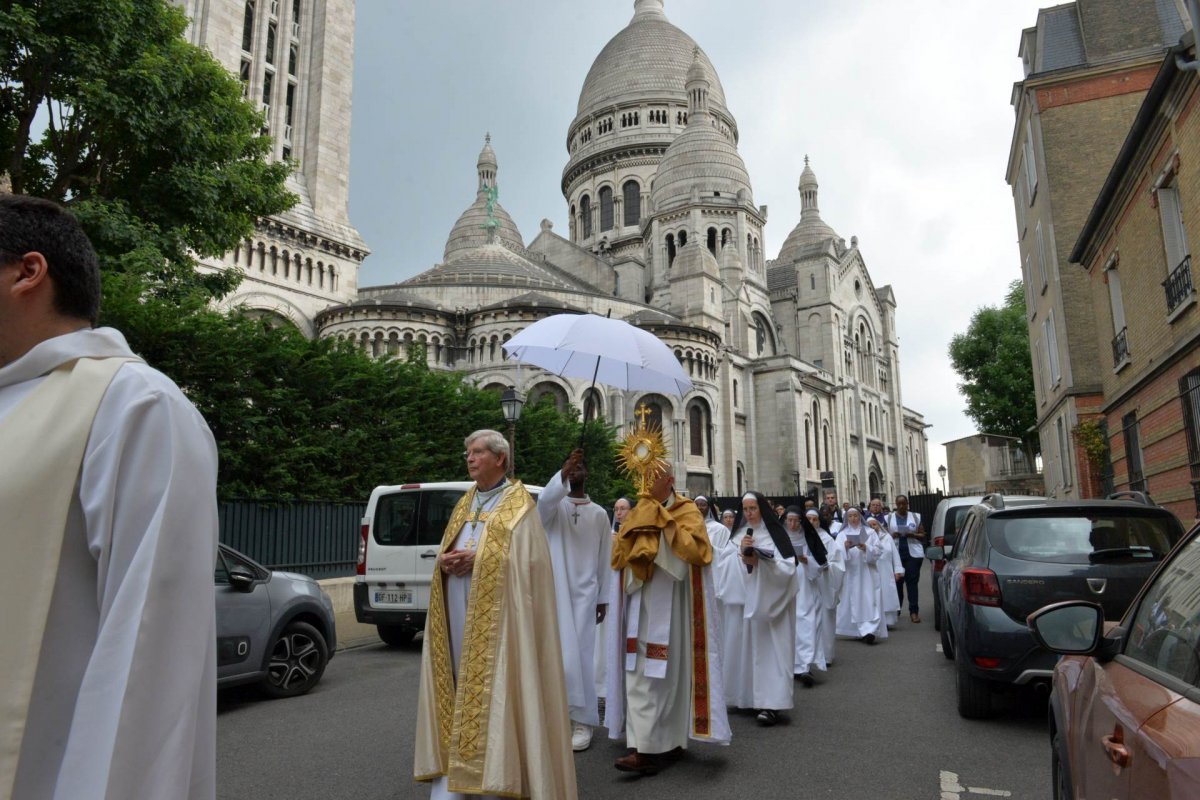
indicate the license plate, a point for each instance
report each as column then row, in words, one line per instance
column 401, row 597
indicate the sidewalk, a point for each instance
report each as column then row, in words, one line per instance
column 350, row 632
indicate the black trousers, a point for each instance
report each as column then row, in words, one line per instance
column 911, row 579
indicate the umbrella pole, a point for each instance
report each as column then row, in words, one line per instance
column 583, row 427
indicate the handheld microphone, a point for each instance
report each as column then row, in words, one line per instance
column 749, row 551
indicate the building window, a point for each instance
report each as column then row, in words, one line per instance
column 248, row 27
column 268, row 87
column 1179, row 262
column 712, row 241
column 631, row 201
column 1064, row 452
column 585, row 212
column 670, row 249
column 271, row 43
column 1040, row 241
column 735, row 393
column 696, row 430
column 293, row 54
column 1133, row 452
column 1189, row 391
column 244, row 74
column 1051, row 348
column 1120, row 342
column 1030, row 165
column 606, row 208
column 1021, row 204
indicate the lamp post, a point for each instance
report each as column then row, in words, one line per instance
column 511, row 402
column 942, row 473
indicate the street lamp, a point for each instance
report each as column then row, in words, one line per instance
column 942, row 473
column 511, row 402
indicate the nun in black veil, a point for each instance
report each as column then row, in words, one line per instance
column 759, row 674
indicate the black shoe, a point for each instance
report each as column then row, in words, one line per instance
column 869, row 638
column 806, row 678
column 767, row 718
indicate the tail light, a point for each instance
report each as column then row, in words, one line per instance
column 940, row 564
column 981, row 587
column 361, row 567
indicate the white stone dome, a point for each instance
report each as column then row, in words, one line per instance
column 647, row 60
column 471, row 229
column 811, row 230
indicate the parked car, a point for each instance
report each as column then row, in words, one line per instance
column 401, row 533
column 273, row 628
column 1011, row 561
column 1124, row 708
column 943, row 532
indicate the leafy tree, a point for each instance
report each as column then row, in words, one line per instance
column 992, row 358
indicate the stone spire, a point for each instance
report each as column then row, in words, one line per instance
column 808, row 192
column 643, row 9
column 486, row 165
column 697, row 88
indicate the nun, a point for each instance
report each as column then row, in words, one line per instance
column 889, row 571
column 813, row 561
column 829, row 584
column 759, row 675
column 860, row 613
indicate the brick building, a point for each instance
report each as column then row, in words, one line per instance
column 1087, row 67
column 1135, row 252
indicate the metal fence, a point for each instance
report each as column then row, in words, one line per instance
column 316, row 539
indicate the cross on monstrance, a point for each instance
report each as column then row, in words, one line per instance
column 642, row 412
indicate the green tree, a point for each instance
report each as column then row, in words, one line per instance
column 992, row 358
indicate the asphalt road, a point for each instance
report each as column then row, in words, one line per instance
column 881, row 725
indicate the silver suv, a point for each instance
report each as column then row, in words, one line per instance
column 273, row 628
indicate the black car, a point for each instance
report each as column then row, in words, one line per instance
column 1010, row 561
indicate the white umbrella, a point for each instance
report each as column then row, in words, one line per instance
column 608, row 351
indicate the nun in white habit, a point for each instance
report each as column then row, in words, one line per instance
column 762, row 678
column 889, row 570
column 829, row 586
column 810, row 552
column 860, row 611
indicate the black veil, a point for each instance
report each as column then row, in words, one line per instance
column 779, row 534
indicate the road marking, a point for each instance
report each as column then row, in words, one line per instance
column 937, row 648
column 953, row 790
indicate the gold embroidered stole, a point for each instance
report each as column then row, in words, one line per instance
column 43, row 440
column 463, row 706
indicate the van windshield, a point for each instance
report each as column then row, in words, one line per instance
column 1083, row 536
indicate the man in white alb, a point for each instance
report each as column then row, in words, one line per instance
column 608, row 589
column 580, row 549
column 108, row 509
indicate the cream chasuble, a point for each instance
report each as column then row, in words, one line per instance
column 496, row 723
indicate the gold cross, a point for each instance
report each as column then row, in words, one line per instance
column 642, row 412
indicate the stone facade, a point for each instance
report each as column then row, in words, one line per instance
column 1135, row 251
column 295, row 59
column 983, row 463
column 1088, row 65
column 795, row 361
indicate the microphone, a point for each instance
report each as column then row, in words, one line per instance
column 749, row 551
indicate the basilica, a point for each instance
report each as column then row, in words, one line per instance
column 794, row 360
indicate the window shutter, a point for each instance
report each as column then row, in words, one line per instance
column 1172, row 226
column 1030, row 165
column 1041, row 254
column 1118, row 303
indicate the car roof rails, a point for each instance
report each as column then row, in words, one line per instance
column 1137, row 497
column 993, row 499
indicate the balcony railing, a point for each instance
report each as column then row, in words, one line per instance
column 1179, row 284
column 1120, row 347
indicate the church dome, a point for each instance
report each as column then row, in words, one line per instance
column 811, row 229
column 702, row 160
column 647, row 60
column 471, row 229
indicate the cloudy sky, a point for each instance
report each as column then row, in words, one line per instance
column 902, row 106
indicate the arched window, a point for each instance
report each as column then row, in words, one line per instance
column 816, row 418
column 585, row 213
column 606, row 208
column 682, row 239
column 670, row 249
column 631, row 200
column 763, row 336
column 271, row 43
column 698, row 433
column 592, row 405
column 556, row 394
column 712, row 241
column 741, row 479
column 658, row 406
column 735, row 393
column 808, row 455
column 825, row 444
column 726, row 236
column 248, row 27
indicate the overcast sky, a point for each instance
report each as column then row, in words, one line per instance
column 902, row 106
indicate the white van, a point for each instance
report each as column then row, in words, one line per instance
column 401, row 533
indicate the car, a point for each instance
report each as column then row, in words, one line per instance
column 1124, row 715
column 943, row 532
column 400, row 535
column 1011, row 560
column 274, row 628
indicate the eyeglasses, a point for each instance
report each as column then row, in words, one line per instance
column 475, row 451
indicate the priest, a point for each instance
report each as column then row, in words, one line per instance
column 762, row 678
column 108, row 536
column 492, row 704
column 666, row 688
column 580, row 550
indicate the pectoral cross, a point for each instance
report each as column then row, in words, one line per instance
column 575, row 516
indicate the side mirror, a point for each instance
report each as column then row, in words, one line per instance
column 1070, row 628
column 242, row 579
column 935, row 553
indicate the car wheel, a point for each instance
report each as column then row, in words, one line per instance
column 395, row 636
column 297, row 661
column 1059, row 774
column 974, row 694
column 947, row 641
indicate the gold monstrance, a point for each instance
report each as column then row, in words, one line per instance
column 643, row 453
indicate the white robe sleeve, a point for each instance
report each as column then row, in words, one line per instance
column 549, row 500
column 145, row 719
column 874, row 549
